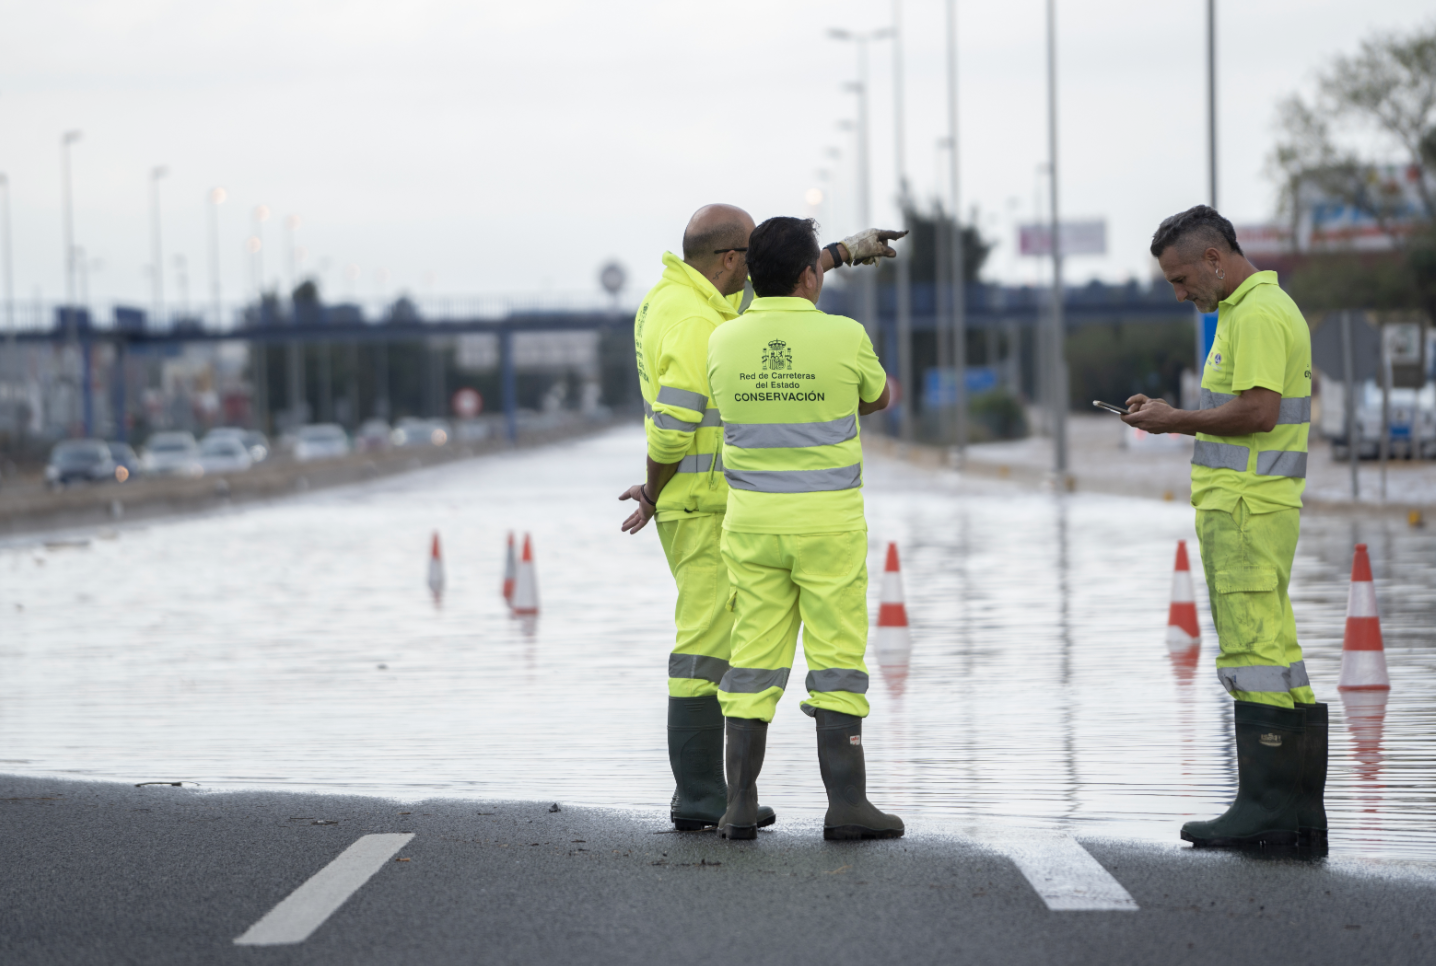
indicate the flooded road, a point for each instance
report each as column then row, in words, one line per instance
column 296, row 645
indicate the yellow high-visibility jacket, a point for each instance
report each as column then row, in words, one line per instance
column 670, row 340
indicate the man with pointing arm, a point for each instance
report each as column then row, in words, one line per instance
column 1248, row 473
column 685, row 486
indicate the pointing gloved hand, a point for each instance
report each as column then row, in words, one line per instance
column 866, row 247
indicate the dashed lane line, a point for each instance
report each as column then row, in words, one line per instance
column 1063, row 873
column 305, row 909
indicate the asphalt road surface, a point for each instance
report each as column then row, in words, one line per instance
column 107, row 873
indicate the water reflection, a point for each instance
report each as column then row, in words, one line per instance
column 1037, row 689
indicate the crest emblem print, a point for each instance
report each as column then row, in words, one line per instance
column 777, row 357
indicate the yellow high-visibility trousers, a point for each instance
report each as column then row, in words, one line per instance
column 702, row 620
column 818, row 581
column 1247, row 559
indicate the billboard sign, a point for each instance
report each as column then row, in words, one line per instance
column 1078, row 238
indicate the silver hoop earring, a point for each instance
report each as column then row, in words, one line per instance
column 1221, row 274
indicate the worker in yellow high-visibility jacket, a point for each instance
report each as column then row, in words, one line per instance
column 685, row 487
column 1248, row 474
column 790, row 383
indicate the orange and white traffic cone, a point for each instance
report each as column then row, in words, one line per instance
column 510, row 571
column 1363, row 658
column 436, row 569
column 892, row 642
column 1183, row 633
column 525, row 599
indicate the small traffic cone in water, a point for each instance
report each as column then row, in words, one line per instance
column 1183, row 633
column 1363, row 658
column 892, row 643
column 525, row 597
column 436, row 568
column 510, row 571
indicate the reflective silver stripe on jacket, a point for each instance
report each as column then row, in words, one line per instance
column 838, row 679
column 754, row 680
column 1294, row 409
column 1281, row 462
column 1211, row 400
column 670, row 396
column 1298, row 674
column 665, row 421
column 697, row 666
column 1221, row 456
column 698, row 463
column 1258, row 679
column 790, row 435
column 796, row 481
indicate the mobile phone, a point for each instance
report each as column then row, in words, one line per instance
column 1109, row 407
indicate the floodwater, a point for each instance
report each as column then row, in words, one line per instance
column 296, row 645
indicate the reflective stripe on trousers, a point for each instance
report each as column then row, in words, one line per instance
column 1257, row 678
column 697, row 666
column 754, row 680
column 790, row 435
column 796, row 481
column 838, row 679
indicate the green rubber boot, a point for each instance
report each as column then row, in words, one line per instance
column 1269, row 786
column 845, row 775
column 695, row 751
column 747, row 743
column 1311, row 820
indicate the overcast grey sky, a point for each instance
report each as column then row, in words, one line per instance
column 462, row 148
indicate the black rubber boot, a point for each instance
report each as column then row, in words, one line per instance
column 1269, row 783
column 695, row 750
column 747, row 743
column 845, row 775
column 1311, row 817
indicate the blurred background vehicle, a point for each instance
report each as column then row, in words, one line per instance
column 373, row 436
column 471, row 430
column 172, row 454
column 127, row 461
column 224, row 454
column 321, row 441
column 257, row 444
column 79, row 461
column 412, row 431
column 1413, row 420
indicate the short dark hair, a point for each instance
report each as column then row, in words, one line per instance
column 778, row 251
column 1200, row 224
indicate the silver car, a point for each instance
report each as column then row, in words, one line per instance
column 224, row 454
column 172, row 454
column 322, row 441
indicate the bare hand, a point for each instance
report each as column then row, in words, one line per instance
column 639, row 518
column 1152, row 415
column 867, row 246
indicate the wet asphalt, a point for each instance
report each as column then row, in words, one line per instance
column 108, row 873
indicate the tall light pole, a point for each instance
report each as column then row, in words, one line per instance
column 904, row 265
column 867, row 285
column 959, row 261
column 291, row 266
column 157, row 263
column 11, row 360
column 1212, row 101
column 67, row 139
column 1057, row 378
column 216, row 198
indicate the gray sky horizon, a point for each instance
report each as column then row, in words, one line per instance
column 441, row 148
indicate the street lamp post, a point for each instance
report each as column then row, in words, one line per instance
column 959, row 261
column 12, row 368
column 72, row 326
column 904, row 265
column 1057, row 378
column 216, row 198
column 157, row 264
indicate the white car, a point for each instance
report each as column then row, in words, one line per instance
column 322, row 441
column 225, row 453
column 172, row 454
column 412, row 431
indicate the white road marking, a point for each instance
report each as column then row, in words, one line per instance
column 1063, row 873
column 305, row 909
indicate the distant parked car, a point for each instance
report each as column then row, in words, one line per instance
column 172, row 454
column 411, row 431
column 79, row 461
column 127, row 461
column 372, row 436
column 224, row 454
column 471, row 431
column 321, row 441
column 252, row 439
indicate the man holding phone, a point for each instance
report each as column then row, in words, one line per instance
column 1248, row 474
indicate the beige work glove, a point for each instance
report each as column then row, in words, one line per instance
column 866, row 247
